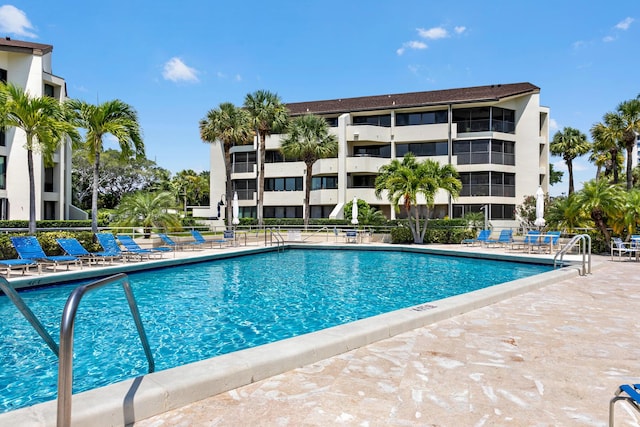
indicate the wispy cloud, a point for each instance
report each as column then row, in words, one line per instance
column 624, row 24
column 14, row 21
column 177, row 71
column 414, row 44
column 553, row 125
column 608, row 39
column 434, row 33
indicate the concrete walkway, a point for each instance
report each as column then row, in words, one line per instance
column 552, row 357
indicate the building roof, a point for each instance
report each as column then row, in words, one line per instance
column 413, row 99
column 8, row 45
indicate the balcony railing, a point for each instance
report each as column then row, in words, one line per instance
column 243, row 167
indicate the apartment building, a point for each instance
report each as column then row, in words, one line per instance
column 28, row 65
column 496, row 136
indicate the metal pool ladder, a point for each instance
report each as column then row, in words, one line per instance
column 584, row 243
column 65, row 351
column 274, row 235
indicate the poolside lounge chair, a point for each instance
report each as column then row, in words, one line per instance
column 529, row 239
column 622, row 248
column 110, row 244
column 131, row 246
column 8, row 265
column 199, row 239
column 172, row 244
column 71, row 246
column 505, row 238
column 351, row 236
column 29, row 248
column 546, row 242
column 483, row 236
column 629, row 393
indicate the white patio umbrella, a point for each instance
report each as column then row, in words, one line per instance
column 236, row 209
column 539, row 208
column 354, row 211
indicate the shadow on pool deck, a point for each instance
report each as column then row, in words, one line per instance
column 553, row 356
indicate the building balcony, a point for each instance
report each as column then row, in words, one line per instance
column 283, row 198
column 368, row 133
column 365, row 164
column 325, row 167
column 284, row 169
column 422, row 133
column 324, row 197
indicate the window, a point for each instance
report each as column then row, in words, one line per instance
column 4, row 209
column 503, row 152
column 283, row 211
column 503, row 184
column 247, row 212
column 332, row 122
column 362, row 181
column 48, row 180
column 243, row 162
column 474, row 183
column 496, row 211
column 49, row 90
column 422, row 118
column 3, row 75
column 476, row 151
column 483, row 119
column 49, row 210
column 283, row 184
column 3, row 172
column 423, row 149
column 324, row 182
column 321, row 211
column 3, row 138
column 245, row 188
column 383, row 120
column 503, row 120
column 383, row 151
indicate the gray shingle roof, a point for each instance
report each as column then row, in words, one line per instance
column 414, row 99
column 7, row 44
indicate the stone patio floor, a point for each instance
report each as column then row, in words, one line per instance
column 552, row 357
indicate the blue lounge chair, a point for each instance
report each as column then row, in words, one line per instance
column 529, row 239
column 351, row 236
column 505, row 238
column 483, row 237
column 199, row 239
column 29, row 248
column 546, row 242
column 8, row 265
column 172, row 244
column 73, row 247
column 110, row 245
column 629, row 393
column 132, row 247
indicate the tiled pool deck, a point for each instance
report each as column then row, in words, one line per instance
column 550, row 357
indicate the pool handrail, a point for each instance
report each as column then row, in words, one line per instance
column 17, row 300
column 65, row 364
column 584, row 244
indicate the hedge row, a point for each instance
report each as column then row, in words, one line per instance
column 443, row 231
column 16, row 223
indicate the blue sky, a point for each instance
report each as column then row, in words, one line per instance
column 173, row 61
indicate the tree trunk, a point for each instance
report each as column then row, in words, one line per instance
column 415, row 228
column 262, row 146
column 630, row 166
column 228, row 195
column 32, row 191
column 94, row 194
column 570, row 171
column 307, row 194
column 614, row 163
column 598, row 218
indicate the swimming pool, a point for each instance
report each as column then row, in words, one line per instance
column 199, row 311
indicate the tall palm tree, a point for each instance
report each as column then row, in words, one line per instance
column 408, row 179
column 268, row 114
column 45, row 123
column 148, row 210
column 309, row 140
column 629, row 113
column 231, row 126
column 112, row 117
column 569, row 144
column 602, row 201
column 606, row 138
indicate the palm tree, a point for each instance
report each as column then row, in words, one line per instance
column 601, row 201
column 45, row 122
column 309, row 140
column 606, row 138
column 569, row 144
column 408, row 179
column 268, row 114
column 112, row 117
column 147, row 210
column 629, row 113
column 231, row 126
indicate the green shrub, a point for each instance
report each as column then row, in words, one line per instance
column 401, row 235
column 48, row 242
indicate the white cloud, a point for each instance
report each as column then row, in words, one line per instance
column 608, row 39
column 460, row 30
column 624, row 24
column 15, row 21
column 433, row 33
column 238, row 78
column 560, row 165
column 418, row 45
column 176, row 71
column 553, row 125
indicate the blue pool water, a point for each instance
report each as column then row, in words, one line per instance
column 198, row 311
